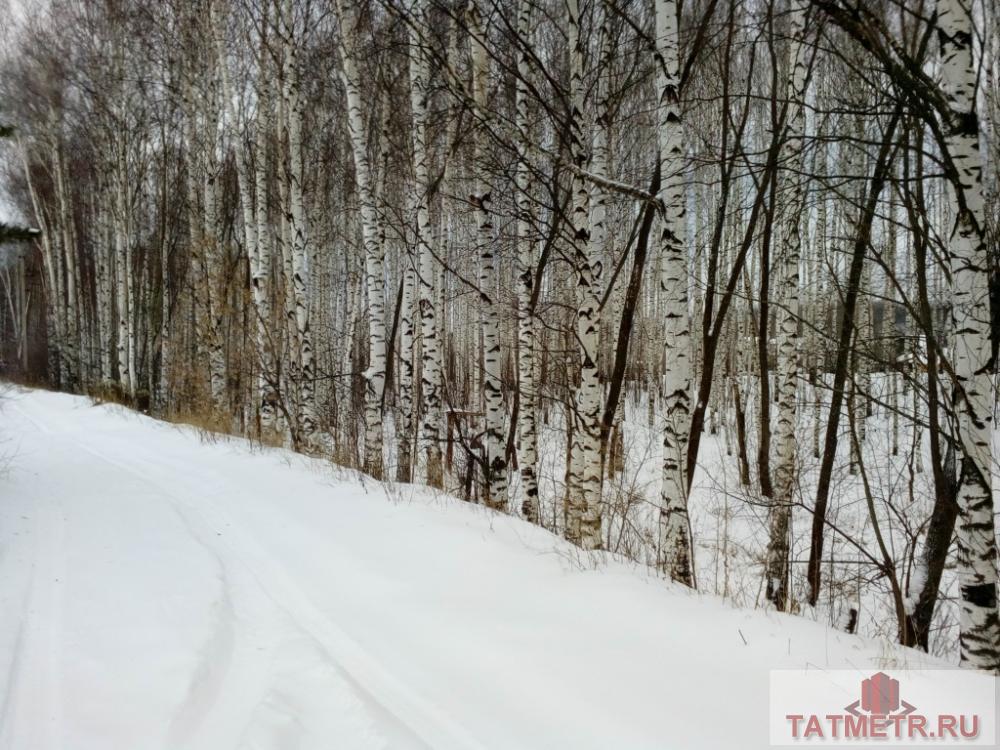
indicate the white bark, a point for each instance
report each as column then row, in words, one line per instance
column 124, row 282
column 889, row 333
column 495, row 486
column 203, row 137
column 674, row 548
column 73, row 314
column 527, row 454
column 374, row 262
column 122, row 297
column 787, row 375
column 290, row 371
column 215, row 295
column 162, row 392
column 196, row 251
column 426, row 265
column 584, row 499
column 104, row 285
column 306, row 413
column 261, row 266
column 979, row 624
column 407, row 330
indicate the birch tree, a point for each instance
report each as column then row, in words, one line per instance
column 260, row 267
column 674, row 547
column 293, row 104
column 583, row 523
column 976, row 532
column 374, row 262
column 527, row 454
column 494, row 459
column 788, row 354
column 426, row 266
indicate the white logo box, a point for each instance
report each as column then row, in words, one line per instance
column 886, row 708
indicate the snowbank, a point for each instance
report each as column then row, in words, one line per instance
column 163, row 591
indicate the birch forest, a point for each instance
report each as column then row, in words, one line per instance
column 710, row 286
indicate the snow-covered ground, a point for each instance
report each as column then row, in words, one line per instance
column 730, row 520
column 163, row 590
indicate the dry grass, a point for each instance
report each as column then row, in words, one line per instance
column 111, row 393
column 210, row 425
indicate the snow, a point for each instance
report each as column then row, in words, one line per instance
column 162, row 588
column 730, row 520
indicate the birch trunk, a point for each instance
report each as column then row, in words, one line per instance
column 166, row 351
column 290, row 372
column 203, row 137
column 374, row 261
column 585, row 487
column 73, row 313
column 426, row 266
column 306, row 411
column 196, row 265
column 214, row 276
column 674, row 548
column 527, row 454
column 407, row 330
column 495, row 484
column 787, row 375
column 889, row 332
column 103, row 284
column 819, row 303
column 261, row 268
column 979, row 625
column 121, row 301
column 124, row 295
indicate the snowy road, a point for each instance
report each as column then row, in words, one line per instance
column 159, row 591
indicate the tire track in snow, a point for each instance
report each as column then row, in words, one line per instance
column 217, row 653
column 231, row 682
column 216, row 660
column 12, row 681
column 32, row 705
column 32, row 708
column 422, row 723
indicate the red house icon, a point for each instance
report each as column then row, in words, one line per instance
column 880, row 694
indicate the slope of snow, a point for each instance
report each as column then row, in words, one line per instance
column 159, row 590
